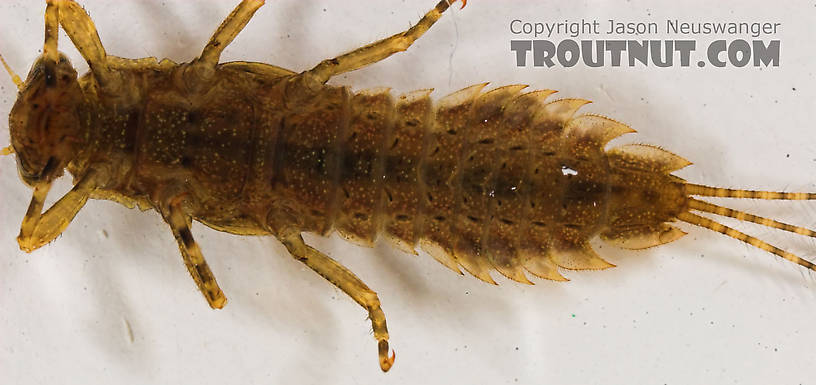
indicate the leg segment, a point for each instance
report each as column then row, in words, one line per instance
column 379, row 50
column 348, row 282
column 80, row 28
column 40, row 228
column 51, row 31
column 202, row 69
column 227, row 31
column 193, row 259
column 14, row 77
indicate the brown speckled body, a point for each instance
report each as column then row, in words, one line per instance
column 214, row 146
column 481, row 180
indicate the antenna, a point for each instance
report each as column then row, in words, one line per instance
column 14, row 77
column 19, row 83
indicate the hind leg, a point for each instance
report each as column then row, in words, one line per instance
column 348, row 282
column 379, row 50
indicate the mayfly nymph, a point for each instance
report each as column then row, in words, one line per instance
column 501, row 180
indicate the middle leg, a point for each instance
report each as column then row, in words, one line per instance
column 193, row 258
column 204, row 66
column 228, row 30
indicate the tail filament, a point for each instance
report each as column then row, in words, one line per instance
column 706, row 207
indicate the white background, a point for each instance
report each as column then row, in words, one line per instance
column 705, row 309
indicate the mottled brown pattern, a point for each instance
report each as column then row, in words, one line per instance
column 403, row 192
column 308, row 157
column 481, row 180
column 497, row 180
column 362, row 169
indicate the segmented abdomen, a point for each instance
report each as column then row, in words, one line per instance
column 488, row 180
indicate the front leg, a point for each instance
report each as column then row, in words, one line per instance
column 346, row 281
column 80, row 28
column 40, row 228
